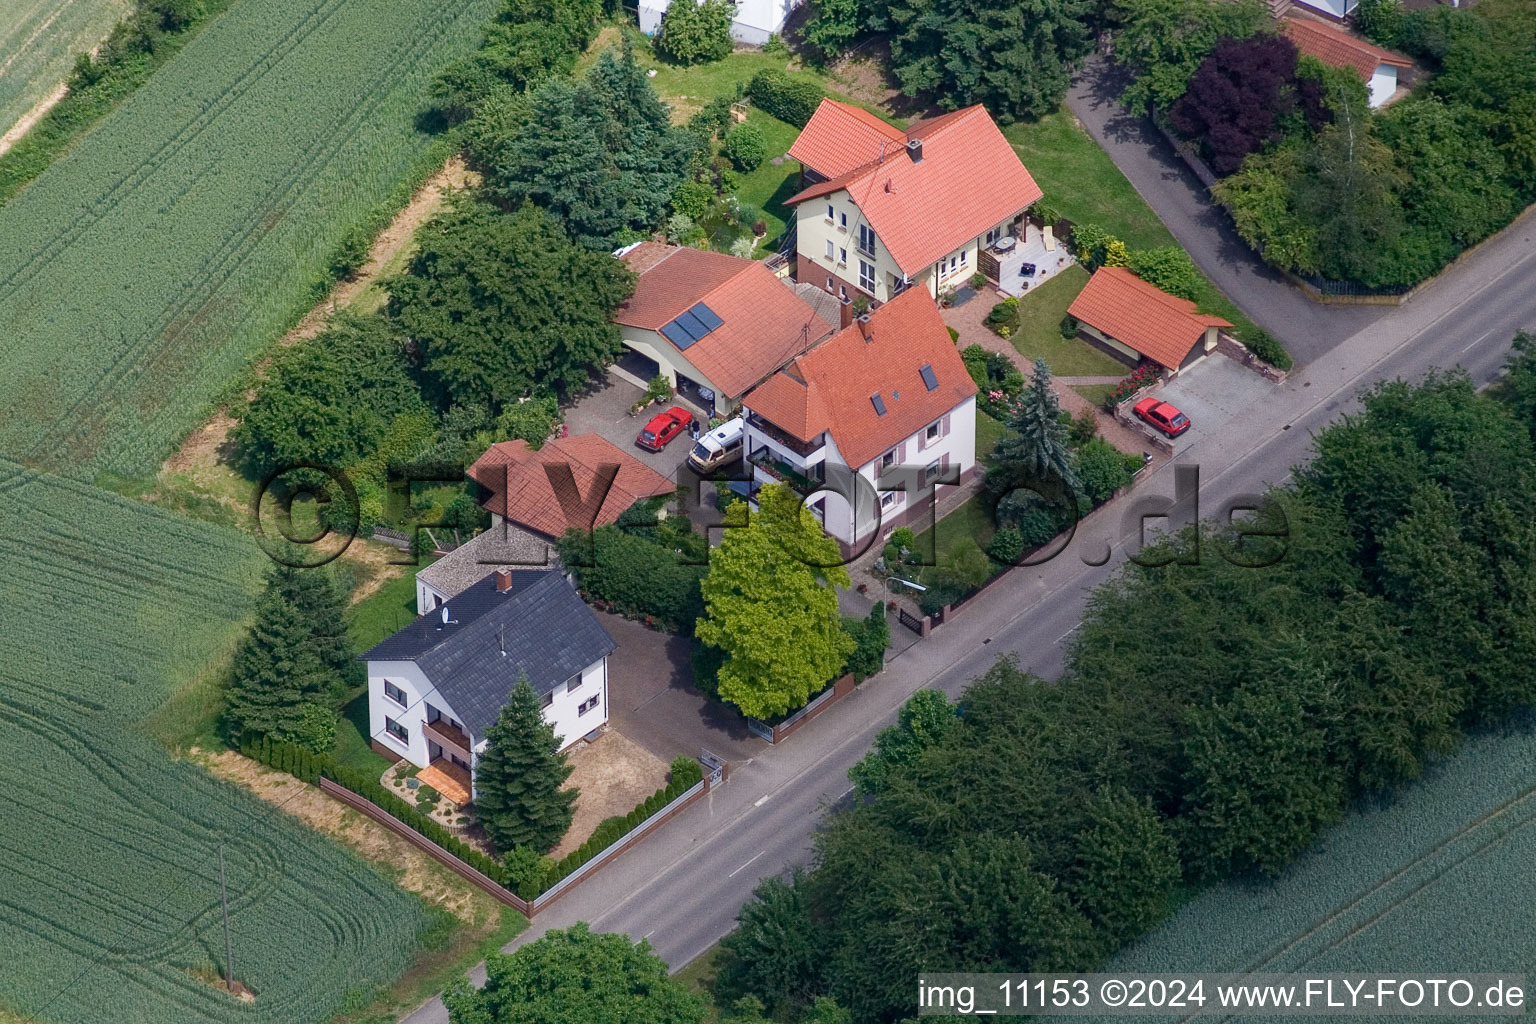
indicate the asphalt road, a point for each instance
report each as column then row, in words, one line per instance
column 1307, row 329
column 681, row 889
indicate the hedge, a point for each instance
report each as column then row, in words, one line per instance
column 310, row 767
column 785, row 96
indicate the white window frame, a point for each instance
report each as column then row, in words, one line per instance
column 831, row 285
column 587, row 705
column 888, row 459
column 867, row 240
column 842, row 257
column 830, row 212
column 388, row 686
column 867, row 276
column 842, row 221
column 889, row 499
column 831, row 251
column 403, row 737
column 932, row 470
column 933, row 431
column 574, row 683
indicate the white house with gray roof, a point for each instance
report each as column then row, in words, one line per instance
column 437, row 686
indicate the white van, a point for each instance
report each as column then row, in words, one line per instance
column 718, row 447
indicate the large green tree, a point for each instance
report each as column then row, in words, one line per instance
column 518, row 777
column 1164, row 41
column 290, row 664
column 696, row 31
column 1032, row 465
column 330, row 400
column 599, row 155
column 503, row 305
column 1016, row 58
column 576, row 976
column 771, row 606
column 777, row 948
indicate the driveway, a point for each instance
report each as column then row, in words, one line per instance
column 1306, row 328
column 606, row 412
column 652, row 699
column 1212, row 393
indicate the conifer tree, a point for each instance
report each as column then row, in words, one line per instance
column 315, row 594
column 280, row 675
column 518, row 777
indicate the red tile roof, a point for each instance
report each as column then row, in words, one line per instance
column 1337, row 47
column 968, row 180
column 765, row 322
column 1160, row 326
column 521, row 490
column 840, row 137
column 829, row 387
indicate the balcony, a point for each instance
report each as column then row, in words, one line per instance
column 783, row 472
column 448, row 736
column 804, row 449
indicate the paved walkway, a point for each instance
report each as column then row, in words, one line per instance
column 970, row 321
column 1307, row 329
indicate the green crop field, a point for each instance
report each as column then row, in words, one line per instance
column 1440, row 878
column 38, row 43
column 110, row 905
column 148, row 266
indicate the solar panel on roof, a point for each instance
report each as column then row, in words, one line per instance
column 878, row 403
column 929, row 379
column 691, row 324
column 676, row 335
column 706, row 316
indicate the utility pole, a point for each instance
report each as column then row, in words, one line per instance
column 229, row 955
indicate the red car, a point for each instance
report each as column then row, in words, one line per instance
column 664, row 426
column 1162, row 416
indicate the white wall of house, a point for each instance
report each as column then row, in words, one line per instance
column 755, row 20
column 1337, row 8
column 1383, row 84
column 872, row 509
column 572, row 709
column 827, row 240
column 428, row 597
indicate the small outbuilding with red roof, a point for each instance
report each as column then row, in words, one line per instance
column 1332, row 45
column 883, row 210
column 1134, row 320
column 713, row 324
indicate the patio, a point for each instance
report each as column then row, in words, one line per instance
column 1013, row 263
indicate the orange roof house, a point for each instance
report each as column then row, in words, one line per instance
column 525, row 492
column 1138, row 320
column 714, row 324
column 887, row 394
column 1377, row 67
column 883, row 206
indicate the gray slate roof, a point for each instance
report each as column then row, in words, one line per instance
column 542, row 625
column 503, row 546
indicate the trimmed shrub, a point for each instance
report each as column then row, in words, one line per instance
column 1007, row 546
column 791, row 98
column 745, row 147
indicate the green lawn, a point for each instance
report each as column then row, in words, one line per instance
column 351, row 748
column 770, row 184
column 988, row 432
column 698, row 976
column 1039, row 335
column 385, row 611
column 1095, row 393
column 969, row 521
column 1082, row 182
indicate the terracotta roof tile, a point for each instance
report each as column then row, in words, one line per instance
column 839, row 137
column 829, row 387
column 1337, row 47
column 521, row 490
column 765, row 322
column 968, row 180
column 1160, row 326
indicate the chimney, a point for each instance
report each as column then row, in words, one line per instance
column 915, row 150
column 845, row 313
column 865, row 329
column 503, row 580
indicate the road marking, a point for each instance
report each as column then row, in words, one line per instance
column 739, row 870
column 761, row 800
column 1478, row 340
column 649, row 934
column 1068, row 633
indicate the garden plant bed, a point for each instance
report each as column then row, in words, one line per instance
column 401, row 779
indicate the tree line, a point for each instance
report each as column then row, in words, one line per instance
column 1211, row 721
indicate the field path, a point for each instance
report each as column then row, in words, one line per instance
column 16, row 131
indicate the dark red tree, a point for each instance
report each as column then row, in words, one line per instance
column 1237, row 97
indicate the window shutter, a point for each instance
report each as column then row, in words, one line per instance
column 944, row 426
column 901, row 453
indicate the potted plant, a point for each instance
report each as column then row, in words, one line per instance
column 863, row 588
column 890, row 606
column 978, row 280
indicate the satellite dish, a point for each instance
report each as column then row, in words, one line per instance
column 445, row 615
